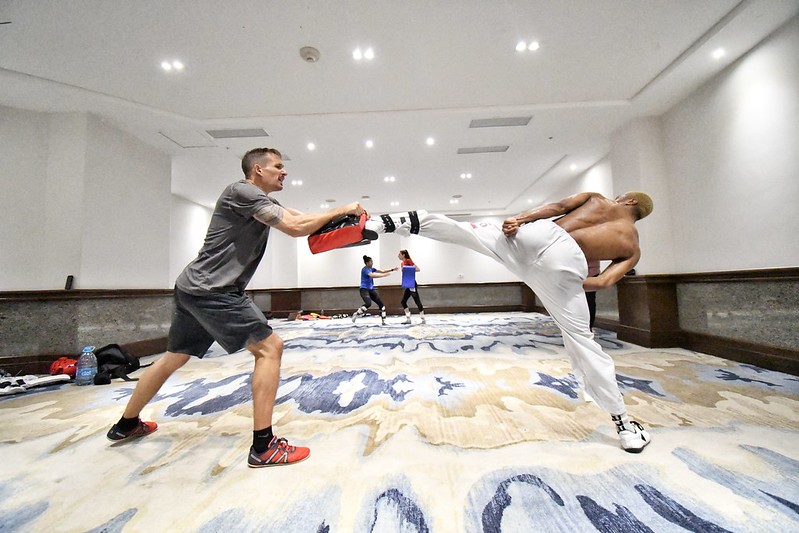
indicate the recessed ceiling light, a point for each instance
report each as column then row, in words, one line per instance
column 394, row 204
column 453, row 200
column 367, row 54
column 369, row 143
column 311, row 147
column 718, row 53
column 389, row 179
column 523, row 46
column 324, row 206
column 466, row 176
column 430, row 141
column 172, row 65
column 296, row 182
column 573, row 167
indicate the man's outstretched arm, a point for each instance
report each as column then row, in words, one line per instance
column 297, row 224
column 511, row 225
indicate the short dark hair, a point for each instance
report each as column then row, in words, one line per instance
column 255, row 155
column 366, row 259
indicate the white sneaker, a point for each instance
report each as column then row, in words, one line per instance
column 424, row 321
column 634, row 437
column 406, row 321
column 355, row 315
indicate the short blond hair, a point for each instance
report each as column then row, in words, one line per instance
column 645, row 204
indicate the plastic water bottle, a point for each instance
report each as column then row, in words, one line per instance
column 87, row 367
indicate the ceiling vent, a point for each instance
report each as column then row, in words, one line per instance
column 499, row 122
column 237, row 133
column 483, row 149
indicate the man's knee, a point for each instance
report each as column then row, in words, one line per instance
column 270, row 347
column 171, row 361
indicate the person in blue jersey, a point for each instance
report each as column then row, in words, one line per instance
column 409, row 270
column 210, row 302
column 368, row 292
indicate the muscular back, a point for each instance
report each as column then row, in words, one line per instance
column 603, row 229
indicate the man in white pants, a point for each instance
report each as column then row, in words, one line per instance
column 547, row 248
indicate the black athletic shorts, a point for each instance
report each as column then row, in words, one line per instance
column 231, row 319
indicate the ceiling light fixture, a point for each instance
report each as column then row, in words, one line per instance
column 718, row 53
column 573, row 167
column 430, row 141
column 311, row 147
column 369, row 143
column 367, row 54
column 389, row 179
column 169, row 66
column 394, row 204
column 466, row 176
column 523, row 46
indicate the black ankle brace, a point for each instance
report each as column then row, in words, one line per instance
column 388, row 224
column 414, row 222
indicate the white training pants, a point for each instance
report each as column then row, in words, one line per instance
column 549, row 261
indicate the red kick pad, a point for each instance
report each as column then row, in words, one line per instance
column 341, row 233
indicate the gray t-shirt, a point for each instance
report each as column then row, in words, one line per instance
column 235, row 242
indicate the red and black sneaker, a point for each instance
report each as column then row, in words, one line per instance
column 142, row 428
column 279, row 452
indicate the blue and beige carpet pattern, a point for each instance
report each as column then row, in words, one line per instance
column 469, row 423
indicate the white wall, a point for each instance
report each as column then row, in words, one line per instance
column 732, row 152
column 23, row 174
column 80, row 198
column 126, row 209
column 188, row 225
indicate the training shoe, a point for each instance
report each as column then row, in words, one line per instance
column 423, row 321
column 142, row 428
column 634, row 437
column 279, row 452
column 406, row 321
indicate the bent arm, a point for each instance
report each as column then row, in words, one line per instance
column 612, row 274
column 555, row 209
column 296, row 224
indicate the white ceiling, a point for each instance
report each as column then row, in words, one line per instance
column 438, row 66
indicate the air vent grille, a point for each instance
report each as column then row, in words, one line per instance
column 499, row 122
column 483, row 149
column 237, row 133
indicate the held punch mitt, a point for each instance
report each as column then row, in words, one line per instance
column 342, row 232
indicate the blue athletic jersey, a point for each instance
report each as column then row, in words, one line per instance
column 408, row 277
column 367, row 281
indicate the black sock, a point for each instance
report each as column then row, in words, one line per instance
column 261, row 439
column 126, row 424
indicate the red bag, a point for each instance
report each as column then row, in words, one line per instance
column 64, row 365
column 341, row 233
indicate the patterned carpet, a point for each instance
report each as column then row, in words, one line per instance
column 468, row 423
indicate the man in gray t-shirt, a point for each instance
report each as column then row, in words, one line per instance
column 211, row 305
